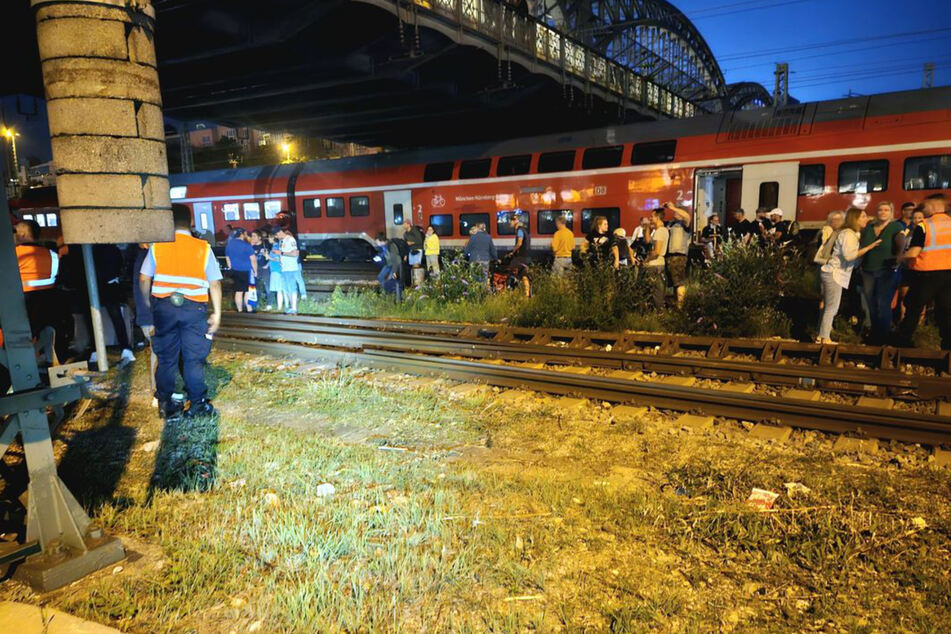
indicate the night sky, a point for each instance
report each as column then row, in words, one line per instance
column 832, row 46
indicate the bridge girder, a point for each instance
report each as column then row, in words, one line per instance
column 652, row 37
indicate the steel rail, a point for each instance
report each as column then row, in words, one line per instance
column 769, row 350
column 439, row 339
column 828, row 417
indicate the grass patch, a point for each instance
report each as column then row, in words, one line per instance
column 489, row 518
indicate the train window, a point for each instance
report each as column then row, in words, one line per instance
column 546, row 220
column 230, row 211
column 272, row 208
column 28, row 216
column 359, row 206
column 335, row 207
column 862, row 177
column 928, row 172
column 478, row 168
column 40, row 220
column 442, row 224
column 556, row 162
column 653, row 152
column 503, row 221
column 51, row 220
column 613, row 214
column 438, row 172
column 397, row 214
column 311, row 207
column 252, row 211
column 468, row 221
column 514, row 165
column 601, row 157
column 812, row 179
column 769, row 195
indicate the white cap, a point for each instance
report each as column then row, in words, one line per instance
column 776, row 212
column 620, row 232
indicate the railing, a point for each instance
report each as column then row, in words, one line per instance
column 490, row 18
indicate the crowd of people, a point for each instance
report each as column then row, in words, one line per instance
column 264, row 266
column 887, row 260
column 892, row 268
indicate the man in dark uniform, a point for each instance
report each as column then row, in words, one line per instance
column 177, row 279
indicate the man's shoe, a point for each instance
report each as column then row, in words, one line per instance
column 127, row 357
column 171, row 410
column 201, row 409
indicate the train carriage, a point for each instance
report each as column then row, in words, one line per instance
column 806, row 159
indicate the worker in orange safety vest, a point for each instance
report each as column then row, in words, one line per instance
column 38, row 269
column 929, row 262
column 176, row 280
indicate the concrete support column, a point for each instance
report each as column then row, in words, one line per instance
column 105, row 119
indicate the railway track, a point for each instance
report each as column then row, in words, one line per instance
column 434, row 349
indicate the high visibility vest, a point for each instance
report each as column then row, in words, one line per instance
column 936, row 254
column 180, row 268
column 38, row 267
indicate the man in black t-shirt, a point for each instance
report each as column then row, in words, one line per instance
column 741, row 228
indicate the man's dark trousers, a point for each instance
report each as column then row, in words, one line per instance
column 180, row 330
column 927, row 286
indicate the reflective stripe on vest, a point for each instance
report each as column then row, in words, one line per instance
column 936, row 254
column 180, row 268
column 30, row 267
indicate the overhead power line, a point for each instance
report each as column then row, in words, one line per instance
column 833, row 43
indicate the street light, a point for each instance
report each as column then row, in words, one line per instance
column 286, row 148
column 11, row 135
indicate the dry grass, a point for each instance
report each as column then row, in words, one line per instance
column 470, row 515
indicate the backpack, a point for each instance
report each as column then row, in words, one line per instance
column 824, row 254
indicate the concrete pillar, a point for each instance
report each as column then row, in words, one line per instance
column 105, row 115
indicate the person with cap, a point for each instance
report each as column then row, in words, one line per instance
column 177, row 279
column 38, row 269
column 779, row 229
column 929, row 258
column 621, row 250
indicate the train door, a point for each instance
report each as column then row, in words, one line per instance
column 204, row 219
column 716, row 191
column 771, row 185
column 397, row 205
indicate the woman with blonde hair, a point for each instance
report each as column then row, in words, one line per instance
column 837, row 272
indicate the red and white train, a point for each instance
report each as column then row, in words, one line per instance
column 807, row 159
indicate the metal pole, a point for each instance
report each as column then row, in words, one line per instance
column 95, row 312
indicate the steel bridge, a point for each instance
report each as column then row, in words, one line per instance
column 406, row 73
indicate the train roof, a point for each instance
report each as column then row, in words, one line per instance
column 817, row 112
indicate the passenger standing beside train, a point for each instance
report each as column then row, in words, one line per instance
column 414, row 240
column 431, row 250
column 290, row 267
column 621, row 250
column 177, row 279
column 929, row 257
column 275, row 287
column 600, row 242
column 677, row 250
column 907, row 211
column 562, row 244
column 641, row 240
column 837, row 272
column 902, row 243
column 263, row 274
column 480, row 249
column 239, row 255
column 522, row 251
column 879, row 277
column 654, row 265
column 826, row 240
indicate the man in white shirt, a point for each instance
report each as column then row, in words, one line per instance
column 290, row 266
